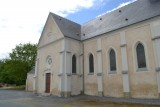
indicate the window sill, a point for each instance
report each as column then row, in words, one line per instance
column 112, row 72
column 74, row 74
column 142, row 70
column 91, row 74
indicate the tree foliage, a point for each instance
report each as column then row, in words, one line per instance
column 26, row 53
column 13, row 70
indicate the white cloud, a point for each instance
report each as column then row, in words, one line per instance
column 121, row 5
column 21, row 20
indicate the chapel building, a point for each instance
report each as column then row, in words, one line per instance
column 116, row 54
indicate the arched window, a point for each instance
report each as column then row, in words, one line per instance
column 141, row 59
column 112, row 59
column 73, row 64
column 91, row 63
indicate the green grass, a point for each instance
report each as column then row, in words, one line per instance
column 21, row 87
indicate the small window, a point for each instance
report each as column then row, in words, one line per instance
column 91, row 64
column 141, row 60
column 48, row 62
column 112, row 59
column 74, row 64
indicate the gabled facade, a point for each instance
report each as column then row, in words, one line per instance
column 117, row 54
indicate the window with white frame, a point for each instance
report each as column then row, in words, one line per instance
column 74, row 64
column 112, row 61
column 141, row 58
column 91, row 63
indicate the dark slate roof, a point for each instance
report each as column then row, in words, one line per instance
column 32, row 71
column 133, row 13
column 67, row 27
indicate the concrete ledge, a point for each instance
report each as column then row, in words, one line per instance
column 68, row 74
column 47, row 70
column 100, row 93
column 80, row 75
column 123, row 45
column 125, row 72
column 99, row 74
column 158, row 69
column 64, row 51
column 112, row 72
column 99, row 50
column 81, row 54
column 60, row 74
column 61, row 51
column 127, row 94
column 156, row 37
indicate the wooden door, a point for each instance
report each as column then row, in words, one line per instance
column 48, row 81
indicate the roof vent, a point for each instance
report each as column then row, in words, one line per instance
column 126, row 19
column 120, row 11
column 100, row 19
column 77, row 34
column 84, row 34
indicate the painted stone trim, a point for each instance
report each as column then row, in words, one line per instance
column 99, row 74
column 61, row 51
column 45, row 45
column 99, row 50
column 68, row 74
column 123, row 45
column 100, row 93
column 90, row 73
column 112, row 72
column 156, row 37
column 64, row 51
column 80, row 75
column 125, row 72
column 60, row 74
column 48, row 69
column 81, row 55
column 68, row 51
column 158, row 69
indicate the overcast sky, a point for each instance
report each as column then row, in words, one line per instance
column 22, row 21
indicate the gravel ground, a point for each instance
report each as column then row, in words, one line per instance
column 16, row 98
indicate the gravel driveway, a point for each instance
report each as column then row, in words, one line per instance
column 15, row 98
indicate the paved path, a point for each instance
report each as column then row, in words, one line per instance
column 13, row 98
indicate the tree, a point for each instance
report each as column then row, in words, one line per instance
column 26, row 53
column 13, row 70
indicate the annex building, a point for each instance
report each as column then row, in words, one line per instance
column 117, row 54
